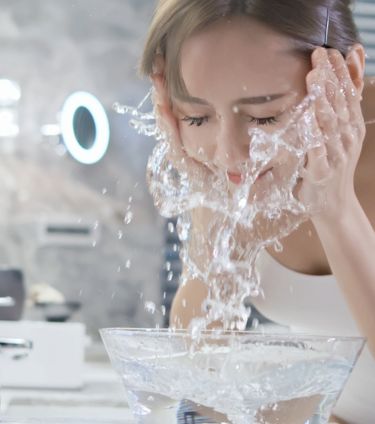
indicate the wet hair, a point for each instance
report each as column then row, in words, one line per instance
column 303, row 21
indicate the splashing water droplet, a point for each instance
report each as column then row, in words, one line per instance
column 128, row 264
column 183, row 228
column 171, row 227
column 150, row 307
column 128, row 217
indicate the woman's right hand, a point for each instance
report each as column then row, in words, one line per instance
column 165, row 118
column 168, row 123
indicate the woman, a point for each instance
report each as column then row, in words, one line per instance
column 222, row 66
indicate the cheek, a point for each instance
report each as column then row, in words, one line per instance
column 199, row 142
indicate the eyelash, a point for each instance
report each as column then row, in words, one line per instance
column 199, row 120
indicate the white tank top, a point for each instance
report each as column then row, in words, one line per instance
column 315, row 304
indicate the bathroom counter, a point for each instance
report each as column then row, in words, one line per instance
column 101, row 400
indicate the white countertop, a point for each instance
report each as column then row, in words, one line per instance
column 101, row 401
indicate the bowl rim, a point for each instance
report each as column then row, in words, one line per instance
column 288, row 335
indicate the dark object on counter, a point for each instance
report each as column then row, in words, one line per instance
column 12, row 294
column 58, row 312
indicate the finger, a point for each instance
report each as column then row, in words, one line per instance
column 321, row 60
column 162, row 105
column 161, row 92
column 352, row 95
column 347, row 103
column 349, row 137
column 343, row 140
column 327, row 121
column 309, row 133
column 317, row 161
column 172, row 135
column 339, row 102
column 323, row 68
column 324, row 112
column 357, row 131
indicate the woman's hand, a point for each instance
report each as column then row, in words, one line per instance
column 328, row 176
column 167, row 122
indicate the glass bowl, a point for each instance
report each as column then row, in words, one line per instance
column 230, row 377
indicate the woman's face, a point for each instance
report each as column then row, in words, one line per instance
column 239, row 75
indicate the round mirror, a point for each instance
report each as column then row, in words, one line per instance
column 85, row 127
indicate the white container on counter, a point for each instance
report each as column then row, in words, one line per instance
column 56, row 360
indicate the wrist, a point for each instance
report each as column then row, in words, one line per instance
column 338, row 217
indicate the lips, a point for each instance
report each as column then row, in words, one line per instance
column 235, row 178
column 238, row 178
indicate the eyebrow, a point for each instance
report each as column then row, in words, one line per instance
column 243, row 101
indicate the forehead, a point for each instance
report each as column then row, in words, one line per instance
column 237, row 55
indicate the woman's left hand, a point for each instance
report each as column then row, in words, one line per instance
column 327, row 185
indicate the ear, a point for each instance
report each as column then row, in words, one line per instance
column 356, row 61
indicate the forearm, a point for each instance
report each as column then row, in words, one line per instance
column 349, row 243
column 187, row 303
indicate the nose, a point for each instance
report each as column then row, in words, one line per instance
column 232, row 144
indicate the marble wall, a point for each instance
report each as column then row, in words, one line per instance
column 53, row 48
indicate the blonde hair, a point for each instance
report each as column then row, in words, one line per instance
column 304, row 21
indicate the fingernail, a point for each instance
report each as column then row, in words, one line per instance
column 316, row 57
column 318, row 51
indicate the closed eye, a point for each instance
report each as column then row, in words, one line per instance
column 195, row 120
column 198, row 121
column 263, row 121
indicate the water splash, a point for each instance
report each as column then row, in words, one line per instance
column 223, row 228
